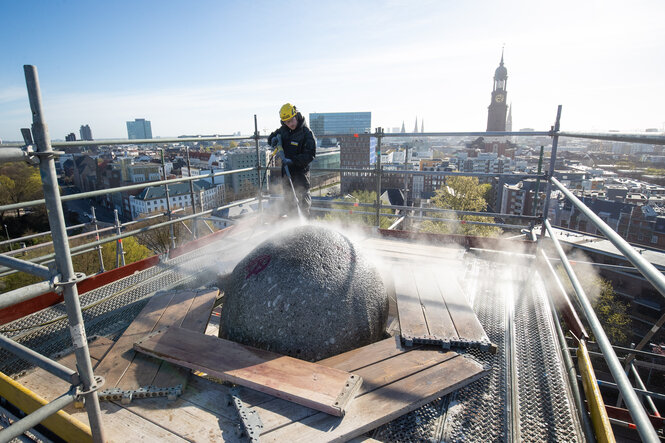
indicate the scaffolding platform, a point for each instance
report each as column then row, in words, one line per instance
column 524, row 395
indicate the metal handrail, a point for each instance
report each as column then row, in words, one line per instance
column 87, row 247
column 644, row 427
column 122, row 188
column 617, row 137
column 649, row 271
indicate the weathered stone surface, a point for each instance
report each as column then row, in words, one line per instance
column 307, row 293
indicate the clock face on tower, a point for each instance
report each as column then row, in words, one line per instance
column 499, row 98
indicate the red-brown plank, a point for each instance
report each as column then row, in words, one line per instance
column 382, row 405
column 306, row 383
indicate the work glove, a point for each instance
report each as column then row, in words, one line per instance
column 276, row 141
column 285, row 161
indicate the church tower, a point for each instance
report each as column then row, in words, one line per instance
column 496, row 115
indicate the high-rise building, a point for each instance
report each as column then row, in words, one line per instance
column 497, row 110
column 86, row 133
column 327, row 123
column 71, row 137
column 356, row 153
column 139, row 129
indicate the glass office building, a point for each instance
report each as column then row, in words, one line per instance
column 140, row 128
column 326, row 123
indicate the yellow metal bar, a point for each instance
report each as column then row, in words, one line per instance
column 62, row 424
column 599, row 418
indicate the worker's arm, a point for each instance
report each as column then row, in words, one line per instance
column 308, row 150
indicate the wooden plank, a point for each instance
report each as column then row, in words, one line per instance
column 366, row 355
column 466, row 322
column 143, row 369
column 199, row 312
column 120, row 425
column 186, row 419
column 440, row 325
column 401, row 258
column 98, row 348
column 275, row 414
column 50, row 386
column 61, row 423
column 195, row 320
column 402, row 366
column 309, row 384
column 411, row 318
column 409, row 247
column 117, row 360
column 380, row 406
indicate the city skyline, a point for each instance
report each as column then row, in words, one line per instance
column 430, row 60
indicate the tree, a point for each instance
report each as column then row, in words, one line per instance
column 159, row 240
column 461, row 194
column 365, row 219
column 611, row 312
column 19, row 182
column 88, row 263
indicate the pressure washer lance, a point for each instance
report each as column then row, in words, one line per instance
column 279, row 151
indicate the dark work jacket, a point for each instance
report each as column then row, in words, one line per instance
column 299, row 145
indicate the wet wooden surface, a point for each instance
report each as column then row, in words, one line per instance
column 431, row 305
column 319, row 387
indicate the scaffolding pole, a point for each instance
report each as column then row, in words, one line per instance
column 63, row 259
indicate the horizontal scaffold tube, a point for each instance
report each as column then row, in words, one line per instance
column 88, row 194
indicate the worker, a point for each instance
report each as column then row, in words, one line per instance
column 299, row 149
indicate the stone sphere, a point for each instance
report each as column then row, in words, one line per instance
column 306, row 292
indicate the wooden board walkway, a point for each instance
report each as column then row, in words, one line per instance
column 130, row 375
column 433, row 309
column 431, row 305
column 319, row 387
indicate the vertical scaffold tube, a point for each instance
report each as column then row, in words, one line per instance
column 63, row 258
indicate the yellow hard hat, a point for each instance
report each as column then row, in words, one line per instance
column 287, row 112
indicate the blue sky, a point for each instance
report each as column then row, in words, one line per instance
column 209, row 66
